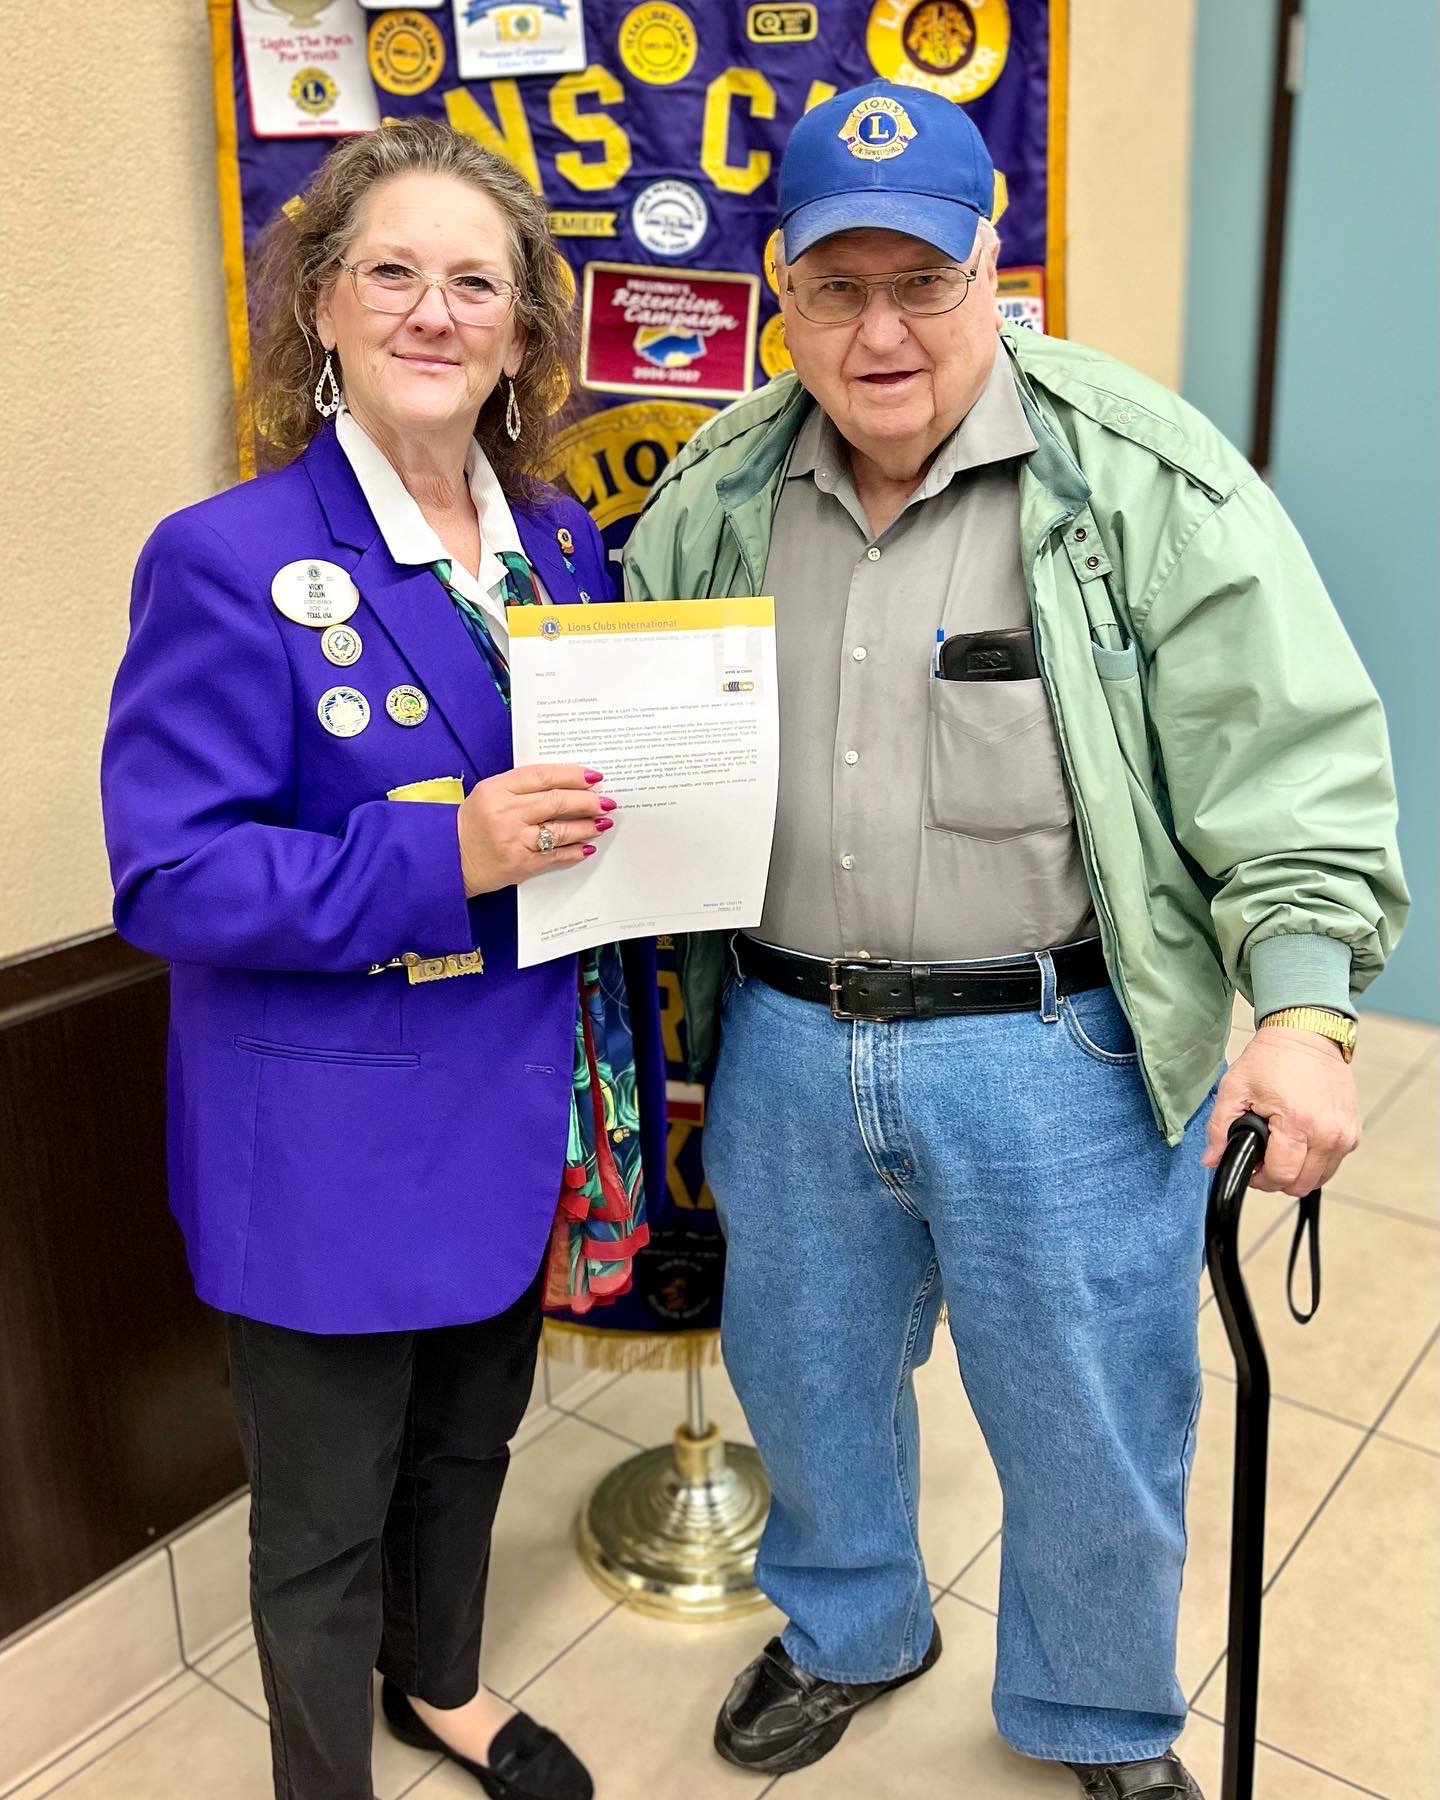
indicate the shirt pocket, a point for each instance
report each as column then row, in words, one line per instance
column 992, row 761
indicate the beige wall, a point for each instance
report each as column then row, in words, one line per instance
column 114, row 402
column 114, row 378
column 1130, row 63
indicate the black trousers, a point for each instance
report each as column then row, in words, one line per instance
column 375, row 1464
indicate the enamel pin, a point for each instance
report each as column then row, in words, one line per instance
column 343, row 711
column 406, row 705
column 341, row 645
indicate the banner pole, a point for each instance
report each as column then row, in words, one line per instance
column 673, row 1532
column 695, row 1403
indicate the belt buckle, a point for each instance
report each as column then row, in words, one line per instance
column 837, row 987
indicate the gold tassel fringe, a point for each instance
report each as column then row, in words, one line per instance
column 624, row 1351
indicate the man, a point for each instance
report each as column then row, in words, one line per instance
column 1071, row 742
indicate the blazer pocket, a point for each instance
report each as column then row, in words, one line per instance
column 365, row 1059
column 992, row 762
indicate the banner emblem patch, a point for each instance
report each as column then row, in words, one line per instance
column 649, row 330
column 953, row 47
column 406, row 52
column 781, row 24
column 658, row 43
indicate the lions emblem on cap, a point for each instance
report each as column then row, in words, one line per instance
column 877, row 129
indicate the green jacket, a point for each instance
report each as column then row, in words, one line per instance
column 1226, row 750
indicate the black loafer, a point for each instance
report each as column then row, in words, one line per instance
column 527, row 1762
column 777, row 1718
column 1158, row 1778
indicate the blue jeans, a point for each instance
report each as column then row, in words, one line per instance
column 1011, row 1165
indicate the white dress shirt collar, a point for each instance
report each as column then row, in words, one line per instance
column 410, row 538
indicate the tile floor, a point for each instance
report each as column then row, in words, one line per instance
column 1351, row 1675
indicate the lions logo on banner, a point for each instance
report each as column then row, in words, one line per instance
column 654, row 132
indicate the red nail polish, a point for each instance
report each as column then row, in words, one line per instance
column 604, row 824
column 593, row 776
column 607, row 804
column 588, row 849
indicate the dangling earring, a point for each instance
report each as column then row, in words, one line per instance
column 327, row 408
column 512, row 413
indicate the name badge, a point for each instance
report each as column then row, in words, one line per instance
column 312, row 592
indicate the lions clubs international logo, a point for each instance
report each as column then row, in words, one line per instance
column 877, row 129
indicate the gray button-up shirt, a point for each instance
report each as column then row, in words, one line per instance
column 918, row 818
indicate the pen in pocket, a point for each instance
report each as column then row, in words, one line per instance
column 935, row 654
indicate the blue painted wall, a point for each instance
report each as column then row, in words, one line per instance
column 1356, row 451
column 1234, row 53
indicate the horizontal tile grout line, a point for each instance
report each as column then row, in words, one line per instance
column 419, row 1779
column 247, row 1631
column 109, row 1725
column 1412, row 1074
column 1404, row 1443
column 1359, row 1204
column 559, row 1419
column 611, row 1432
column 1263, row 1239
column 235, row 1699
column 1285, row 1400
column 560, row 1655
column 1304, row 1762
column 1330, row 1492
column 1407, row 1378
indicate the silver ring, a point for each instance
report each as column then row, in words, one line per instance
column 546, row 841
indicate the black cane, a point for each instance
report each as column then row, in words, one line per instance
column 1244, row 1152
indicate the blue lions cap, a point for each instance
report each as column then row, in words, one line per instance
column 897, row 158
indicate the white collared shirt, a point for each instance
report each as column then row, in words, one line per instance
column 412, row 540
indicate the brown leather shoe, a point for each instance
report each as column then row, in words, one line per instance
column 777, row 1718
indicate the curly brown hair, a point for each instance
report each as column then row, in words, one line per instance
column 301, row 250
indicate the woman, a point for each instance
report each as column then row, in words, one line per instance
column 373, row 1112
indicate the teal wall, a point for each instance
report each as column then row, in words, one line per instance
column 1356, row 450
column 1234, row 53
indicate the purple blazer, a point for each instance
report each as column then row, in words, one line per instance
column 348, row 1153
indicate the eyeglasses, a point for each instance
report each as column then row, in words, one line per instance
column 837, row 299
column 394, row 287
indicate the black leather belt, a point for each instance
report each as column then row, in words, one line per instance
column 878, row 989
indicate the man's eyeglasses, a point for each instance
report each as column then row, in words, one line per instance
column 394, row 287
column 837, row 299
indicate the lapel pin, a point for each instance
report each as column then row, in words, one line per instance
column 341, row 645
column 406, row 705
column 343, row 711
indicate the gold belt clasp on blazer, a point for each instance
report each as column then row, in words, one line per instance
column 445, row 790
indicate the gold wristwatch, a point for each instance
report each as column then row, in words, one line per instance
column 1335, row 1026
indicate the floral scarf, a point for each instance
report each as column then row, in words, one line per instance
column 600, row 1220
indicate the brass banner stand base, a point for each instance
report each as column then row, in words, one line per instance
column 673, row 1532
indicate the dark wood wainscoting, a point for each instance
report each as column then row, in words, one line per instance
column 114, row 1415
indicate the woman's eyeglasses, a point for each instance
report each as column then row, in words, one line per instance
column 385, row 286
